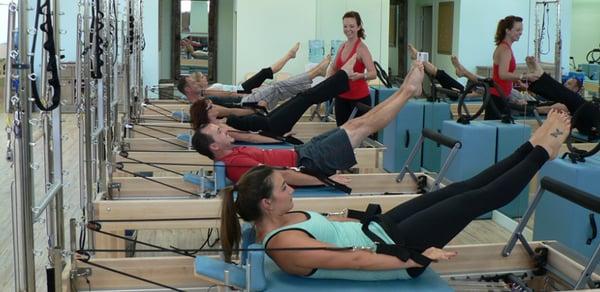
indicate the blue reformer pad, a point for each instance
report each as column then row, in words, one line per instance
column 185, row 137
column 199, row 180
column 180, row 116
column 266, row 276
column 559, row 219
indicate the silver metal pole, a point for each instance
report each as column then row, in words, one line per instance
column 79, row 109
column 558, row 45
column 48, row 198
column 89, row 184
column 11, row 55
column 23, row 196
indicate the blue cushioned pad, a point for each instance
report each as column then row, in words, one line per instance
column 185, row 137
column 559, row 219
column 199, row 180
column 400, row 137
column 180, row 116
column 509, row 137
column 266, row 276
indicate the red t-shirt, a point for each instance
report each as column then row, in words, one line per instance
column 505, row 85
column 358, row 88
column 243, row 158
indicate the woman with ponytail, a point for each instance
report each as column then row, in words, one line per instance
column 407, row 238
column 358, row 91
column 508, row 31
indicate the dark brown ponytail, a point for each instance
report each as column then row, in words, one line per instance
column 504, row 24
column 253, row 186
column 231, row 231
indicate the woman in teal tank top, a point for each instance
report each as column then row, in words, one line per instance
column 406, row 238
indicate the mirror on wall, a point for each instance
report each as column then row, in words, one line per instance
column 197, row 27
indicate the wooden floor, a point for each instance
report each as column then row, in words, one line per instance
column 482, row 231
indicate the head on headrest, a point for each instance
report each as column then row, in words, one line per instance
column 260, row 193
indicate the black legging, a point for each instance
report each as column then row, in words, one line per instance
column 256, row 80
column 552, row 90
column 344, row 108
column 501, row 106
column 448, row 82
column 283, row 118
column 435, row 218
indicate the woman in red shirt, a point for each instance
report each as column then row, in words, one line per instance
column 359, row 89
column 509, row 30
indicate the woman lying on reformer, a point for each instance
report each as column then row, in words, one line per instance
column 406, row 238
column 281, row 120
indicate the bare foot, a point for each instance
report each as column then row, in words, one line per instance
column 414, row 79
column 533, row 66
column 460, row 70
column 324, row 65
column 413, row 52
column 552, row 133
column 349, row 66
column 292, row 52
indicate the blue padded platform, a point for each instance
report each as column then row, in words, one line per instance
column 561, row 220
column 199, row 180
column 434, row 116
column 181, row 116
column 401, row 136
column 509, row 137
column 266, row 276
column 478, row 149
column 185, row 137
column 303, row 192
column 378, row 94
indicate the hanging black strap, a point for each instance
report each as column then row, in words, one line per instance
column 287, row 139
column 398, row 250
column 325, row 179
column 52, row 65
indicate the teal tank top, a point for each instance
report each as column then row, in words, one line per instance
column 342, row 234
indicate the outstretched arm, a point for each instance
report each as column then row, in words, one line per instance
column 225, row 111
column 302, row 262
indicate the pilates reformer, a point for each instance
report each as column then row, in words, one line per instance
column 524, row 266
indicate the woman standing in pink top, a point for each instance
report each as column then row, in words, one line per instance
column 509, row 30
column 359, row 89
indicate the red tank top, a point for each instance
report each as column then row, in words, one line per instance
column 358, row 88
column 505, row 85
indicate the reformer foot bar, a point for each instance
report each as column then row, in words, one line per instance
column 520, row 266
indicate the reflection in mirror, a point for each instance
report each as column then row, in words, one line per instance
column 194, row 31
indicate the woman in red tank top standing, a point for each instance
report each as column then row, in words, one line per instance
column 509, row 30
column 359, row 89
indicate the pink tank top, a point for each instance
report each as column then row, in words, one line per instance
column 505, row 85
column 358, row 88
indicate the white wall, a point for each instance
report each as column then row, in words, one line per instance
column 150, row 61
column 266, row 29
column 585, row 34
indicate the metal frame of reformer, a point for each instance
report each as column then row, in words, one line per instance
column 473, row 261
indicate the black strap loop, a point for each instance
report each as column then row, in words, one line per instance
column 594, row 230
